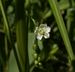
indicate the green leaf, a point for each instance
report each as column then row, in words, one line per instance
column 61, row 26
column 22, row 35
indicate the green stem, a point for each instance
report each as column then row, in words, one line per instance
column 62, row 28
column 5, row 19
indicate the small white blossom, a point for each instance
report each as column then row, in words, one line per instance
column 42, row 31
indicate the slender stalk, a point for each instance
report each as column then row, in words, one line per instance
column 22, row 35
column 62, row 28
column 5, row 19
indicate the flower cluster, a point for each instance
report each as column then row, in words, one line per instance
column 42, row 31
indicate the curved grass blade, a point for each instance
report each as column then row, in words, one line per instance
column 62, row 28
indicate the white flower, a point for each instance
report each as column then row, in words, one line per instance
column 42, row 31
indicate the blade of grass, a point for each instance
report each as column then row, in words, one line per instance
column 62, row 28
column 22, row 35
column 63, row 6
column 8, row 34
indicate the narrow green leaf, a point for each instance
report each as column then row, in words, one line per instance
column 61, row 26
column 63, row 5
column 22, row 35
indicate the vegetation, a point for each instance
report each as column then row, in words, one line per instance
column 37, row 36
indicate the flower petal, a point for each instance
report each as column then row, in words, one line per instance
column 43, row 25
column 39, row 37
column 48, row 29
column 46, row 35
